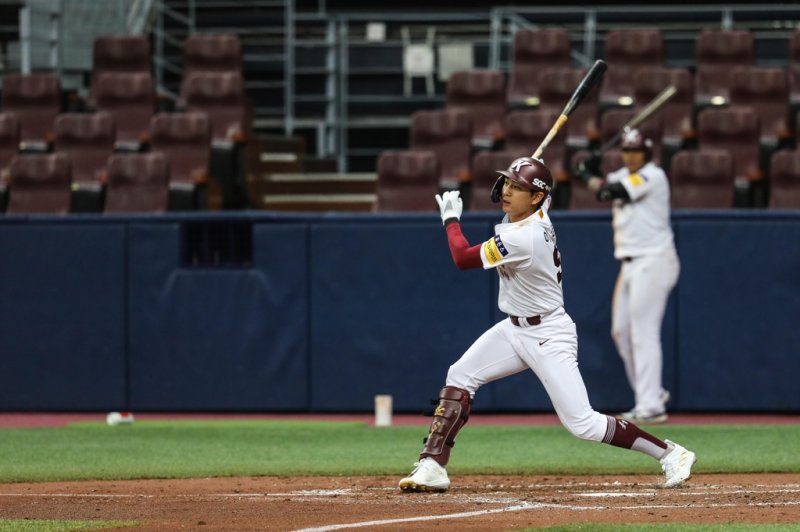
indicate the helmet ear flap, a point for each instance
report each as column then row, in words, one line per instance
column 497, row 189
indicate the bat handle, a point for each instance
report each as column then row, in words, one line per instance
column 550, row 134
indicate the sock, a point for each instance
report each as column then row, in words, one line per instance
column 622, row 433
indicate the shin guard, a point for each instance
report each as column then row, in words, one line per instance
column 452, row 412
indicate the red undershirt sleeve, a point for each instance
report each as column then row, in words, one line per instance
column 464, row 255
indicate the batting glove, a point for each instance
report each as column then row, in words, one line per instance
column 450, row 206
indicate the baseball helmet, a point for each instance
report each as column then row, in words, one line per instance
column 632, row 139
column 526, row 171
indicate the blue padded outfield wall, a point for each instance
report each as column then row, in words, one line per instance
column 322, row 312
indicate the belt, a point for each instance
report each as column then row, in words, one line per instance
column 533, row 320
column 627, row 259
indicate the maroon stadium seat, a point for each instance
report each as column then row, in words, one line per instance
column 88, row 141
column 9, row 140
column 485, row 165
column 737, row 130
column 716, row 53
column 676, row 114
column 534, row 50
column 119, row 53
column 185, row 139
column 407, row 181
column 525, row 130
column 556, row 87
column 784, row 180
column 137, row 182
column 702, row 179
column 39, row 183
column 130, row 100
column 766, row 90
column 212, row 53
column 625, row 51
column 448, row 133
column 35, row 99
column 220, row 95
column 482, row 93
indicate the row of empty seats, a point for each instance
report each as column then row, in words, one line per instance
column 122, row 91
column 87, row 140
column 42, row 183
column 699, row 179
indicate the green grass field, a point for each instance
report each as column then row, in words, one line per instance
column 176, row 449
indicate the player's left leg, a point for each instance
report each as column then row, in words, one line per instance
column 555, row 363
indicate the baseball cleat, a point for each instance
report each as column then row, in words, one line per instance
column 640, row 418
column 677, row 465
column 427, row 475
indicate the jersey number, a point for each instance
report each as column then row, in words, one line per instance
column 557, row 262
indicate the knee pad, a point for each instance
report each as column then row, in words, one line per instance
column 452, row 412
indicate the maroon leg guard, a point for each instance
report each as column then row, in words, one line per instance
column 450, row 415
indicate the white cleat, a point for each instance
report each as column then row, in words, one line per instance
column 677, row 465
column 427, row 475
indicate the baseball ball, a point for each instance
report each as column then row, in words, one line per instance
column 119, row 418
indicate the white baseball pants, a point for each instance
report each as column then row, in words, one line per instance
column 550, row 349
column 640, row 299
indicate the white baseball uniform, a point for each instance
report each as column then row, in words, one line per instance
column 644, row 244
column 528, row 262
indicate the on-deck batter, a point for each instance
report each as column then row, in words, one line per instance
column 649, row 268
column 538, row 333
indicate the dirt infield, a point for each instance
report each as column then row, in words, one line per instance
column 375, row 503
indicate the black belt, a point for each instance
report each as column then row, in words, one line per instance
column 533, row 320
column 627, row 259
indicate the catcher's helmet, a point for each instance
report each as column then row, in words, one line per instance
column 632, row 139
column 530, row 173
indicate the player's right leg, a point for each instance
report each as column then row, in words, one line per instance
column 489, row 358
column 621, row 324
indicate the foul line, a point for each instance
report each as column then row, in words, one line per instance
column 524, row 506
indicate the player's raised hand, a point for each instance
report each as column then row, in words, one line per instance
column 450, row 205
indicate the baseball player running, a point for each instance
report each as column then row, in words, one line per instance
column 649, row 268
column 538, row 333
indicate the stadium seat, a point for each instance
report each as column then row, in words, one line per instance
column 525, row 130
column 221, row 96
column 626, row 50
column 130, row 100
column 737, row 130
column 35, row 99
column 556, row 87
column 118, row 54
column 676, row 114
column 39, row 183
column 137, row 182
column 482, row 93
column 407, row 181
column 532, row 51
column 88, row 141
column 485, row 165
column 766, row 90
column 784, row 180
column 716, row 53
column 702, row 179
column 448, row 133
column 212, row 53
column 185, row 139
column 9, row 147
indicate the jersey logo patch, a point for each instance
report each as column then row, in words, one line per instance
column 494, row 249
column 636, row 180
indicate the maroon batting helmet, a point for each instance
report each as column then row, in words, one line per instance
column 632, row 139
column 530, row 173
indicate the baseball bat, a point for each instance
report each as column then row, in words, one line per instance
column 589, row 81
column 646, row 112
